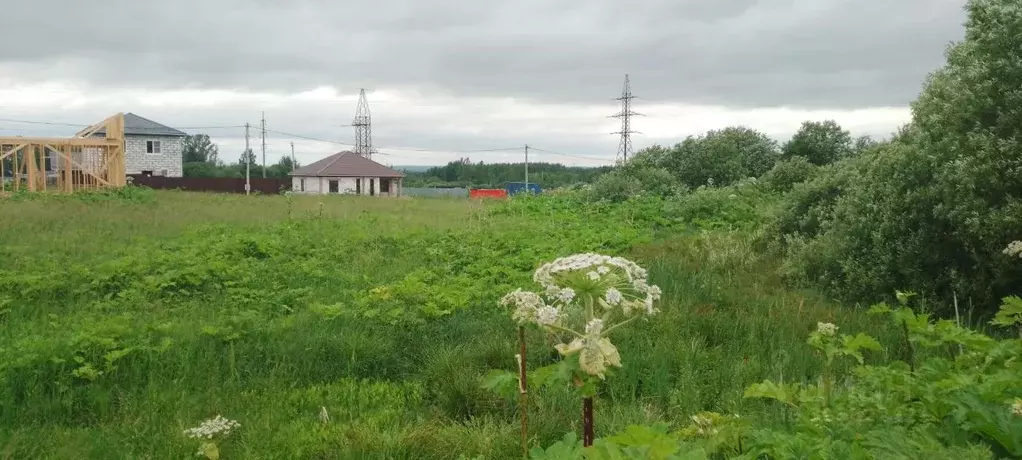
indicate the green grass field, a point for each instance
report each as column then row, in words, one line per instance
column 126, row 321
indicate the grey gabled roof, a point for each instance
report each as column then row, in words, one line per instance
column 346, row 164
column 140, row 126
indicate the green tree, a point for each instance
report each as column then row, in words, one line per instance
column 864, row 143
column 756, row 152
column 199, row 148
column 821, row 143
column 719, row 157
column 282, row 168
column 249, row 157
column 786, row 173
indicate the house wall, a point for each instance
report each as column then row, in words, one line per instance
column 170, row 158
column 345, row 185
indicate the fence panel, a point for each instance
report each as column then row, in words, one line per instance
column 435, row 192
column 269, row 186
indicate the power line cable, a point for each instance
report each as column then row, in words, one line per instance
column 508, row 149
column 569, row 155
column 410, row 149
column 29, row 122
column 74, row 125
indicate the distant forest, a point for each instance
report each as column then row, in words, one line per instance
column 464, row 173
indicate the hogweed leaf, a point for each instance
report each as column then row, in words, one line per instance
column 1010, row 313
column 568, row 448
column 852, row 345
column 769, row 389
column 659, row 442
column 210, row 451
column 501, row 382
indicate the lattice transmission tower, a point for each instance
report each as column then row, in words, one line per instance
column 363, row 124
column 625, row 147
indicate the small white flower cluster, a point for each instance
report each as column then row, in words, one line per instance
column 1014, row 249
column 526, row 304
column 547, row 315
column 1016, row 408
column 827, row 329
column 596, row 267
column 217, row 426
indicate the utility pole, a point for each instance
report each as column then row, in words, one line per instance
column 244, row 156
column 294, row 163
column 526, row 168
column 625, row 147
column 264, row 145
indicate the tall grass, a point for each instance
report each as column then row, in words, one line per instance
column 126, row 321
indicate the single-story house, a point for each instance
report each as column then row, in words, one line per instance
column 347, row 173
column 151, row 148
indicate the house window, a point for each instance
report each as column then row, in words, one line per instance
column 333, row 186
column 358, row 186
column 372, row 187
column 301, row 185
column 152, row 147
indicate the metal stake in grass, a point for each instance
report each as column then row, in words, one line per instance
column 523, row 396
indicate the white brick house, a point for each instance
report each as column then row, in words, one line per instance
column 151, row 148
column 347, row 173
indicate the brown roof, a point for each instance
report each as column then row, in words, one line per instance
column 346, row 164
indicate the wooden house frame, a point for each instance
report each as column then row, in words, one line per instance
column 82, row 162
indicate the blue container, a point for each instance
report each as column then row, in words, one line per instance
column 514, row 188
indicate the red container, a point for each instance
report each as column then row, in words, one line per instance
column 487, row 193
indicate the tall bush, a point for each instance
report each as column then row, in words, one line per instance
column 821, row 143
column 720, row 157
column 786, row 173
column 934, row 209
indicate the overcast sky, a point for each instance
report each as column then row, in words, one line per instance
column 447, row 77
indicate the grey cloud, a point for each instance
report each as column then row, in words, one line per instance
column 737, row 53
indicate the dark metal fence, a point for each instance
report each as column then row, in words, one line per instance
column 212, row 184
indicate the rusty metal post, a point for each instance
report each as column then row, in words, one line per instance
column 587, row 422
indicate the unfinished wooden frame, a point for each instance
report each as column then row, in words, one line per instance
column 85, row 161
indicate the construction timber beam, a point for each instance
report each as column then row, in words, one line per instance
column 85, row 161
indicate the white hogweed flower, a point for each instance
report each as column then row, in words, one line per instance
column 1014, row 249
column 613, row 297
column 525, row 303
column 566, row 294
column 546, row 315
column 575, row 286
column 217, row 426
column 1016, row 408
column 827, row 329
